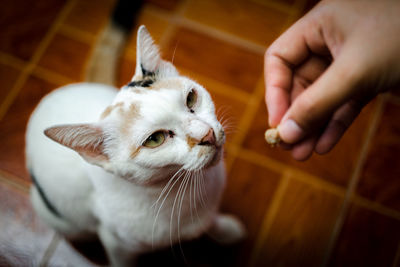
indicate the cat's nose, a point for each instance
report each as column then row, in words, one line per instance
column 208, row 139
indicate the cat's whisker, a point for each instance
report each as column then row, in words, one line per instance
column 222, row 110
column 228, row 122
column 195, row 198
column 185, row 182
column 205, row 196
column 190, row 199
column 202, row 176
column 201, row 193
column 173, row 206
column 166, row 187
column 162, row 203
column 173, row 55
column 222, row 116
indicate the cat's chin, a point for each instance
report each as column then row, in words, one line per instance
column 215, row 159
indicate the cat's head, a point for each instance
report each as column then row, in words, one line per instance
column 158, row 123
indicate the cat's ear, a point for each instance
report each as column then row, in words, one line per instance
column 86, row 139
column 149, row 64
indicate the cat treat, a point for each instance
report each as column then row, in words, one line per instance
column 272, row 136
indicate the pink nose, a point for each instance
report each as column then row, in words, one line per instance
column 208, row 139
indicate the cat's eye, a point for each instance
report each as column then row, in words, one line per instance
column 155, row 140
column 191, row 100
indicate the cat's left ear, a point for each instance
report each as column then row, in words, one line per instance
column 149, row 64
column 86, row 139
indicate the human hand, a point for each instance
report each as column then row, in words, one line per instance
column 325, row 68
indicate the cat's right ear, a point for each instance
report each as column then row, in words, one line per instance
column 149, row 64
column 86, row 139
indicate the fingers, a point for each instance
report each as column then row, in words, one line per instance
column 281, row 58
column 303, row 150
column 307, row 73
column 289, row 51
column 317, row 104
column 340, row 122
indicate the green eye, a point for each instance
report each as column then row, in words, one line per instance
column 155, row 140
column 191, row 100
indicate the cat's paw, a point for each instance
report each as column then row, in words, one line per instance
column 227, row 229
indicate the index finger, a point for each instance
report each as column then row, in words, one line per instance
column 283, row 56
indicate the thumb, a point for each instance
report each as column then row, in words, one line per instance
column 320, row 100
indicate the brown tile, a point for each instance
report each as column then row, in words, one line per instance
column 126, row 71
column 23, row 25
column 154, row 24
column 380, row 177
column 90, row 15
column 337, row 166
column 396, row 91
column 8, row 76
column 66, row 56
column 247, row 19
column 268, row 2
column 301, row 229
column 367, row 239
column 169, row 5
column 309, row 5
column 248, row 195
column 216, row 59
column 23, row 237
column 12, row 127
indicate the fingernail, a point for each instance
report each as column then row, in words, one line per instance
column 290, row 131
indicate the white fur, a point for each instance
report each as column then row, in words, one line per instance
column 133, row 201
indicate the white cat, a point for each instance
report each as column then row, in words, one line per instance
column 140, row 167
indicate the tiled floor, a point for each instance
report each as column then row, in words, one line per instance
column 342, row 209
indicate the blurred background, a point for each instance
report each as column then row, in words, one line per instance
column 342, row 209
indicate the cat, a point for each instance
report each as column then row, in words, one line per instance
column 141, row 167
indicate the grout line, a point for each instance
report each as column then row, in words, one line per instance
column 282, row 7
column 253, row 104
column 374, row 121
column 9, row 99
column 376, row 207
column 244, row 123
column 269, row 217
column 179, row 20
column 51, row 76
column 297, row 174
column 14, row 181
column 220, row 35
column 50, row 250
column 172, row 27
column 77, row 34
column 11, row 61
column 35, row 59
column 396, row 261
column 309, row 179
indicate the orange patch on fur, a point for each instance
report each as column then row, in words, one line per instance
column 135, row 151
column 191, row 141
column 109, row 109
column 167, row 84
column 129, row 117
